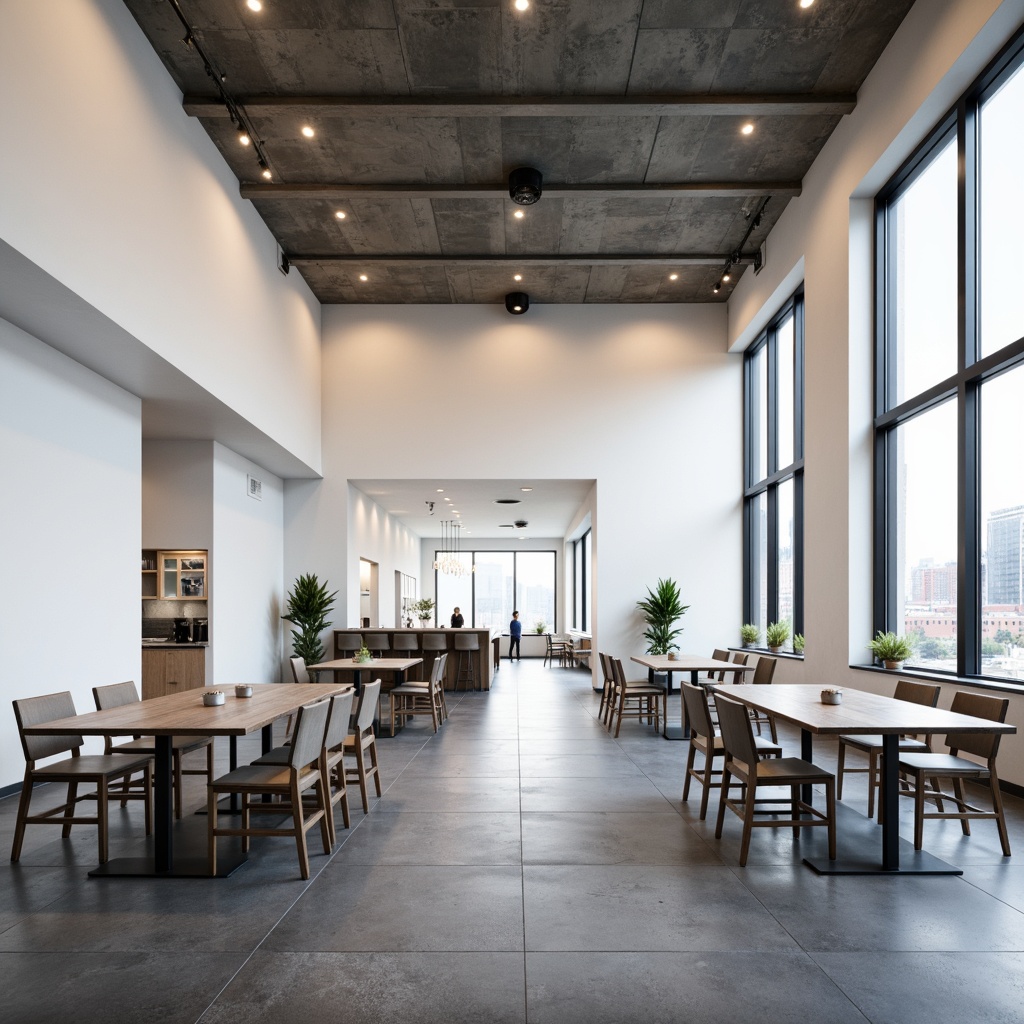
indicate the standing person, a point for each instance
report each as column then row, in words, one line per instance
column 457, row 620
column 515, row 634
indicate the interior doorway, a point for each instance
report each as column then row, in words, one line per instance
column 369, row 590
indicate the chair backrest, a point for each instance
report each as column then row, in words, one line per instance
column 917, row 693
column 739, row 658
column 348, row 642
column 377, row 642
column 338, row 720
column 467, row 642
column 764, row 670
column 437, row 670
column 719, row 656
column 696, row 700
column 308, row 738
column 434, row 642
column 405, row 642
column 981, row 744
column 116, row 695
column 39, row 710
column 367, row 705
column 737, row 734
column 299, row 671
column 606, row 668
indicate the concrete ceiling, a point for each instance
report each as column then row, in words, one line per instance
column 631, row 109
column 548, row 507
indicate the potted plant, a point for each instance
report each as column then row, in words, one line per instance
column 424, row 609
column 750, row 634
column 776, row 635
column 798, row 643
column 662, row 608
column 307, row 608
column 891, row 649
column 540, row 627
column 363, row 655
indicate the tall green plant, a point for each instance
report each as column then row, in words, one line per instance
column 662, row 608
column 307, row 608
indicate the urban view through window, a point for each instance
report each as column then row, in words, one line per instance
column 925, row 257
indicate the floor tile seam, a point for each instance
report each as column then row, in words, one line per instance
column 998, row 899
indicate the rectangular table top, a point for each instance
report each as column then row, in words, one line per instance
column 185, row 714
column 688, row 663
column 384, row 664
column 860, row 712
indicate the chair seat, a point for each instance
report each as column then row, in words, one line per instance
column 761, row 743
column 411, row 689
column 874, row 742
column 110, row 765
column 784, row 771
column 946, row 765
column 147, row 744
column 278, row 755
column 252, row 776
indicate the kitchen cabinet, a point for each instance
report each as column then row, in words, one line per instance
column 175, row 575
column 172, row 669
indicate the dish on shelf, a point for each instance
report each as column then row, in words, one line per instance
column 154, row 639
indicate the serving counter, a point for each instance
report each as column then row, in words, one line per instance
column 485, row 659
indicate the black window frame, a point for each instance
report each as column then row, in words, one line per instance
column 768, row 485
column 962, row 125
column 580, row 582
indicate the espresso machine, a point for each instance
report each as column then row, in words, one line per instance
column 200, row 631
column 182, row 633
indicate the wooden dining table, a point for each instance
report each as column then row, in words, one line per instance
column 185, row 714
column 692, row 663
column 863, row 713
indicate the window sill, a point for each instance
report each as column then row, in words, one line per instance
column 765, row 652
column 942, row 677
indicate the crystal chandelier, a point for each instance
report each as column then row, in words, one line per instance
column 449, row 558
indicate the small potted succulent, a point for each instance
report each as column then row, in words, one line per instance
column 363, row 655
column 891, row 649
column 540, row 626
column 750, row 634
column 798, row 643
column 776, row 635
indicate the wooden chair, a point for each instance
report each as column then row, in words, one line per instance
column 288, row 782
column 636, row 698
column 704, row 740
column 99, row 770
column 411, row 699
column 743, row 764
column 604, row 709
column 916, row 693
column 434, row 644
column 917, row 767
column 361, row 744
column 764, row 670
column 554, row 649
column 117, row 695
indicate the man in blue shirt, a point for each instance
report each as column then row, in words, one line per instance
column 515, row 633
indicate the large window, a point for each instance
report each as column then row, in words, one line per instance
column 581, row 555
column 774, row 467
column 949, row 394
column 495, row 584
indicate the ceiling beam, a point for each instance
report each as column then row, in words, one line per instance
column 722, row 189
column 796, row 104
column 574, row 260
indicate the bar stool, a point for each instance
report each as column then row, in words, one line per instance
column 378, row 644
column 346, row 644
column 405, row 645
column 433, row 644
column 466, row 643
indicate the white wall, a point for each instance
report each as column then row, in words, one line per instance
column 653, row 415
column 825, row 238
column 247, row 582
column 126, row 201
column 70, row 519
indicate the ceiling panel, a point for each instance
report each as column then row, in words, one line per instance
column 632, row 110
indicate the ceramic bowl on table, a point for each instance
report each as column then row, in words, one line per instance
column 831, row 696
column 213, row 698
column 243, row 691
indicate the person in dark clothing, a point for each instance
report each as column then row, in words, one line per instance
column 515, row 634
column 457, row 620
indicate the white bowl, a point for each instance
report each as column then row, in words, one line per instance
column 832, row 697
column 213, row 698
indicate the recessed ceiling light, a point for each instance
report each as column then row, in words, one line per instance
column 363, row 277
column 517, row 277
column 254, row 5
column 440, row 490
column 308, row 131
column 526, row 488
column 519, row 215
column 522, row 5
column 340, row 214
column 747, row 129
column 673, row 277
column 806, row 3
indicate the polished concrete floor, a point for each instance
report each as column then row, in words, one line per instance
column 521, row 866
